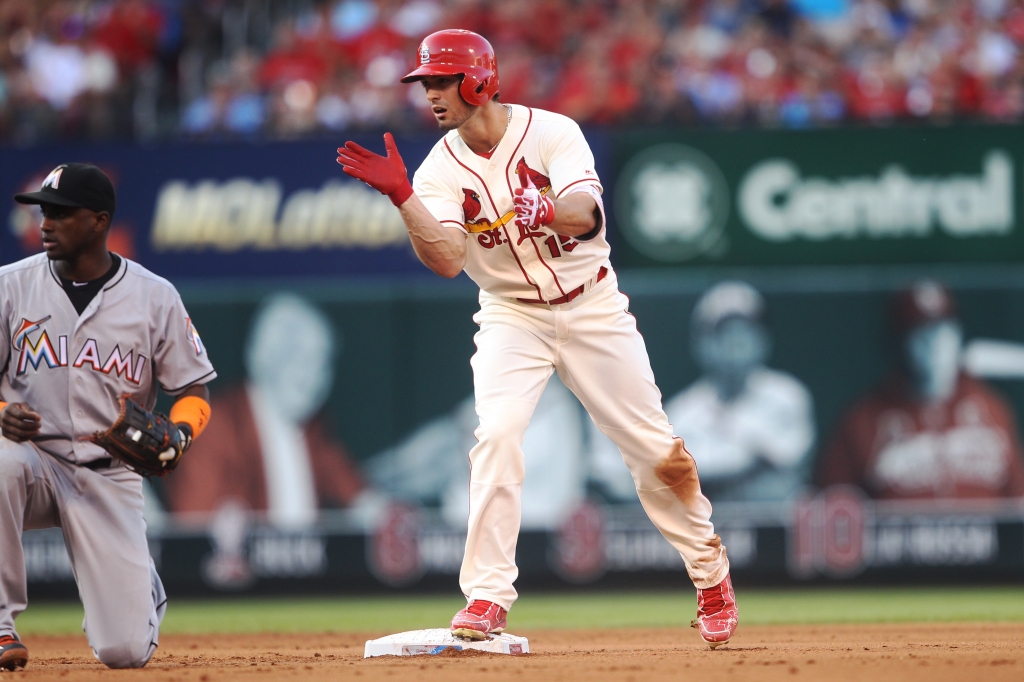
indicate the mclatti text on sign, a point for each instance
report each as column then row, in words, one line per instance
column 243, row 213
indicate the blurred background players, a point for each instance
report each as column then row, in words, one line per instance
column 750, row 427
column 431, row 466
column 267, row 450
column 928, row 430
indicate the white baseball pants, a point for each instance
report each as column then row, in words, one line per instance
column 600, row 356
column 100, row 513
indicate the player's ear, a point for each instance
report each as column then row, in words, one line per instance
column 102, row 220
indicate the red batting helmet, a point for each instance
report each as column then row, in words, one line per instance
column 454, row 52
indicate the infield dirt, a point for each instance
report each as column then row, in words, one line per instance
column 876, row 653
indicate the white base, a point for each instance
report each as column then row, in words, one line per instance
column 436, row 640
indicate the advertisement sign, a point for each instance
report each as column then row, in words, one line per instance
column 676, row 197
column 836, row 536
column 820, row 197
column 281, row 209
column 235, row 210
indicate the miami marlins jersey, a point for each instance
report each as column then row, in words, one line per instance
column 134, row 337
column 462, row 189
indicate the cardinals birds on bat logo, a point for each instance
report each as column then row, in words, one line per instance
column 472, row 205
column 540, row 181
column 471, row 208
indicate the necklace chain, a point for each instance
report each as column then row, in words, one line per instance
column 508, row 121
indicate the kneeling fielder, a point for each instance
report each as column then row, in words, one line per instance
column 79, row 328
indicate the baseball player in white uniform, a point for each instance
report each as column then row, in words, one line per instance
column 510, row 195
column 80, row 327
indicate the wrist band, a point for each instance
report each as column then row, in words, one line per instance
column 2, row 405
column 191, row 410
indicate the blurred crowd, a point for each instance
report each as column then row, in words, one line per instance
column 145, row 69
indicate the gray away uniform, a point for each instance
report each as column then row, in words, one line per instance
column 134, row 336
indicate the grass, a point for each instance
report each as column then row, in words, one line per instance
column 598, row 610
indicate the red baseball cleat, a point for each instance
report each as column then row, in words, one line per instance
column 13, row 653
column 717, row 615
column 478, row 620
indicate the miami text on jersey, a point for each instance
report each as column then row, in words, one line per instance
column 43, row 351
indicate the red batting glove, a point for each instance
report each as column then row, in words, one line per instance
column 532, row 208
column 386, row 174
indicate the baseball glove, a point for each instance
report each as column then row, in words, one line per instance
column 147, row 442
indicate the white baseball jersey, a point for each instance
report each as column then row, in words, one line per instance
column 462, row 189
column 134, row 336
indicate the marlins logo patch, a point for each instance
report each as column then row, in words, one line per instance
column 53, row 179
column 26, row 328
column 40, row 352
column 193, row 336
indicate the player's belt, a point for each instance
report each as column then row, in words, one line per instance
column 98, row 464
column 575, row 293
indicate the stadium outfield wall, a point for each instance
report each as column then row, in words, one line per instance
column 826, row 224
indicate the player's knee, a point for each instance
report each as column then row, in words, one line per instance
column 497, row 458
column 129, row 655
column 14, row 465
column 500, row 434
column 504, row 423
column 10, row 470
column 652, row 456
